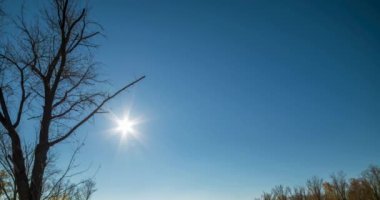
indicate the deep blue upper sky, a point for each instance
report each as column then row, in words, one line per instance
column 239, row 96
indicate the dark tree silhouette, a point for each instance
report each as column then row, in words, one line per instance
column 299, row 193
column 340, row 185
column 372, row 177
column 280, row 192
column 365, row 187
column 47, row 74
column 314, row 187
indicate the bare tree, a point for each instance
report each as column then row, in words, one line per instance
column 299, row 193
column 365, row 187
column 314, row 187
column 67, row 191
column 266, row 196
column 360, row 189
column 340, row 185
column 372, row 176
column 281, row 192
column 47, row 74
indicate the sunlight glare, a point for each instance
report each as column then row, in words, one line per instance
column 125, row 126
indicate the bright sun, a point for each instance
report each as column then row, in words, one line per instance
column 125, row 126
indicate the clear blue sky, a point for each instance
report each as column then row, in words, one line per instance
column 240, row 96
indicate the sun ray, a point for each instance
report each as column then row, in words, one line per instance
column 125, row 126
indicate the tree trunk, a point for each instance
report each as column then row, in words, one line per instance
column 36, row 184
column 19, row 168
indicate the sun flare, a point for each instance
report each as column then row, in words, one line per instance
column 125, row 126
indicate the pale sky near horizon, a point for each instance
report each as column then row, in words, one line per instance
column 240, row 96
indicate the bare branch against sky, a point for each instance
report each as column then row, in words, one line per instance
column 48, row 73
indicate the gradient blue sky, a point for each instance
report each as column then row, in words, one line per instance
column 239, row 96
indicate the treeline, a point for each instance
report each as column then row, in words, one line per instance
column 365, row 187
